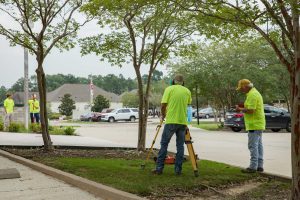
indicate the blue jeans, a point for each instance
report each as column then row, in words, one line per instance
column 256, row 149
column 35, row 117
column 168, row 132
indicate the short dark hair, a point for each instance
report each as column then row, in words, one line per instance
column 8, row 95
column 178, row 79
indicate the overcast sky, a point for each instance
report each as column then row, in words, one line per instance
column 67, row 62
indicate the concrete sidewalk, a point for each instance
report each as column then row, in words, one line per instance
column 22, row 139
column 34, row 185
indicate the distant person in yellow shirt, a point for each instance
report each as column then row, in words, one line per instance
column 255, row 122
column 9, row 105
column 34, row 109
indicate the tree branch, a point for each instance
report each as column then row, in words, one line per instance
column 286, row 46
column 280, row 55
column 286, row 16
column 280, row 23
column 127, row 21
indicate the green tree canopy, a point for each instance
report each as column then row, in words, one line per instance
column 67, row 105
column 216, row 69
column 3, row 92
column 55, row 26
column 100, row 102
column 130, row 99
column 145, row 33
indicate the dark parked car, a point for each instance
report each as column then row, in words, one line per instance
column 96, row 117
column 276, row 119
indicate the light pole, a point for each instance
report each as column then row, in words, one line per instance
column 197, row 104
column 26, row 92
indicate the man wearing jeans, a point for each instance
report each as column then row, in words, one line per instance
column 9, row 109
column 255, row 123
column 174, row 108
column 34, row 109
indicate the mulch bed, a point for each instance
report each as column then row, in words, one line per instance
column 105, row 153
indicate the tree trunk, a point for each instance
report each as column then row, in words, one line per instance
column 287, row 100
column 141, row 129
column 295, row 103
column 296, row 132
column 43, row 109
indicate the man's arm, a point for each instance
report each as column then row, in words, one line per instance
column 4, row 105
column 245, row 110
column 163, row 110
column 36, row 105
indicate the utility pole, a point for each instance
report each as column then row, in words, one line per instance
column 26, row 92
column 91, row 92
column 197, row 104
column 26, row 88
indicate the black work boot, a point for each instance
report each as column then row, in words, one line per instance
column 156, row 172
column 260, row 169
column 248, row 170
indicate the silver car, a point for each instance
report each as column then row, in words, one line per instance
column 206, row 113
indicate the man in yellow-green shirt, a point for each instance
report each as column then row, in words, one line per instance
column 34, row 109
column 9, row 105
column 174, row 104
column 255, row 123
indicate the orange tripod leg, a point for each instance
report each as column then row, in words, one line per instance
column 153, row 142
column 193, row 157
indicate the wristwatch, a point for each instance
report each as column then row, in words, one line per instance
column 244, row 110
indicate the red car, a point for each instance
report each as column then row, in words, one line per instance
column 96, row 116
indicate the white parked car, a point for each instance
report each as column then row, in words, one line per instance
column 121, row 114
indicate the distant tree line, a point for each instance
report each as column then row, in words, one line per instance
column 111, row 83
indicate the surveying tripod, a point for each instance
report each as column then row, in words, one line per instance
column 189, row 144
column 192, row 155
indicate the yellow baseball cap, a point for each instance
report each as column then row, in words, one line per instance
column 243, row 83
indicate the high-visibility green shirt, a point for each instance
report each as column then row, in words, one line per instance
column 177, row 98
column 34, row 106
column 9, row 105
column 257, row 120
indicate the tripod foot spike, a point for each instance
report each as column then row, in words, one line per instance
column 196, row 173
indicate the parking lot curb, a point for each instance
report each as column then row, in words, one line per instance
column 97, row 189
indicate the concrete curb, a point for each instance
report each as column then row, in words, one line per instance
column 92, row 187
column 277, row 177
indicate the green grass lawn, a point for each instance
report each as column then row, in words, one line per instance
column 127, row 175
column 210, row 126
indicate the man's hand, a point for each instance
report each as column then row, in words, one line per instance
column 238, row 109
column 244, row 110
column 163, row 111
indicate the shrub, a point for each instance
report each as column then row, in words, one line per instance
column 1, row 126
column 69, row 130
column 36, row 128
column 54, row 116
column 55, row 130
column 50, row 128
column 15, row 127
column 69, row 117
